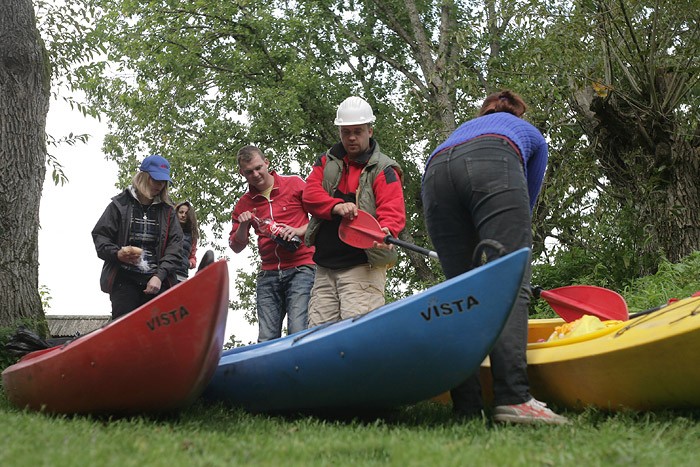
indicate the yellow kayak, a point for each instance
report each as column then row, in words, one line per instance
column 649, row 362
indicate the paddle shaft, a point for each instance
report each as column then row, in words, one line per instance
column 649, row 311
column 657, row 308
column 410, row 246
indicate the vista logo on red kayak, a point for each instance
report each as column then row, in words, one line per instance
column 448, row 308
column 166, row 319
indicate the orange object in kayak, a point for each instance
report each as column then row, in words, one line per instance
column 157, row 358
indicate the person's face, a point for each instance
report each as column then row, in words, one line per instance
column 182, row 213
column 256, row 173
column 155, row 187
column 355, row 139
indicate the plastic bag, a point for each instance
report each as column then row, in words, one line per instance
column 579, row 327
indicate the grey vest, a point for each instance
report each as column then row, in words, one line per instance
column 364, row 198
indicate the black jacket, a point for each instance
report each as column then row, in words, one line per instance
column 112, row 232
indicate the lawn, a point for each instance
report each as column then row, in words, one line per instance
column 425, row 434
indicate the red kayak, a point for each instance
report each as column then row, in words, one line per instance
column 157, row 358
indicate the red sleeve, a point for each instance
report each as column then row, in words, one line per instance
column 391, row 208
column 316, row 199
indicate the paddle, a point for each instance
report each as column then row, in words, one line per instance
column 571, row 302
column 657, row 308
column 364, row 230
column 574, row 301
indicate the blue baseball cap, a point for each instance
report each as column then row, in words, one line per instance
column 157, row 167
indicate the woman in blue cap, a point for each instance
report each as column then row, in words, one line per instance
column 140, row 239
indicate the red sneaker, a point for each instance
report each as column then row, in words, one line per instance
column 532, row 411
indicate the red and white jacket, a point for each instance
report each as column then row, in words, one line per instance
column 284, row 207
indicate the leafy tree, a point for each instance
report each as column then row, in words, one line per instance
column 24, row 103
column 196, row 80
column 641, row 115
column 37, row 50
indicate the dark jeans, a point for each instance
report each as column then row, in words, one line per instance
column 477, row 191
column 127, row 293
column 283, row 292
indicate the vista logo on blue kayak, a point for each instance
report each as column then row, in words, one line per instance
column 166, row 319
column 447, row 308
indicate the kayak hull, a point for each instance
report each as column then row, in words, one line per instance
column 646, row 363
column 157, row 358
column 398, row 354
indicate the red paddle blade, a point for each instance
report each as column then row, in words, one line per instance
column 574, row 301
column 362, row 231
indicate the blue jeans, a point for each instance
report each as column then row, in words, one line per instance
column 283, row 293
column 475, row 191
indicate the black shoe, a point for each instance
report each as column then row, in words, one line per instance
column 207, row 259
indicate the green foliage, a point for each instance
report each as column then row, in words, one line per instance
column 45, row 294
column 6, row 359
column 233, row 343
column 677, row 280
column 672, row 280
column 197, row 80
column 246, row 281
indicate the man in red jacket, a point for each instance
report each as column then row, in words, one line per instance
column 353, row 174
column 288, row 269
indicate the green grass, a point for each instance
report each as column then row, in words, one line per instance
column 425, row 434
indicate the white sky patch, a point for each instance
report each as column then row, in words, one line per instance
column 68, row 264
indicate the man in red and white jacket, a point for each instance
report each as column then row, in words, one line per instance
column 286, row 277
column 353, row 174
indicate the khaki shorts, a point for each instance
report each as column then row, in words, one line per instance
column 344, row 293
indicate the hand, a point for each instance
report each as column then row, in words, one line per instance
column 287, row 231
column 246, row 217
column 347, row 210
column 382, row 245
column 129, row 255
column 153, row 286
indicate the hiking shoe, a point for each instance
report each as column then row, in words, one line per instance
column 532, row 411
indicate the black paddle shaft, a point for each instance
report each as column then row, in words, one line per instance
column 411, row 246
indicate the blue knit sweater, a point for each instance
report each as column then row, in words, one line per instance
column 532, row 145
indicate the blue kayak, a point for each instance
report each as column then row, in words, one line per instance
column 400, row 353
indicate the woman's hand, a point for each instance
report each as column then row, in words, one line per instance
column 153, row 286
column 129, row 254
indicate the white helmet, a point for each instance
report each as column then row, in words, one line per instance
column 354, row 111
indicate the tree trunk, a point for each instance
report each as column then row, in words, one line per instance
column 647, row 159
column 677, row 212
column 24, row 103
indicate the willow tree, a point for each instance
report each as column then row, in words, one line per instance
column 24, row 103
column 641, row 114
